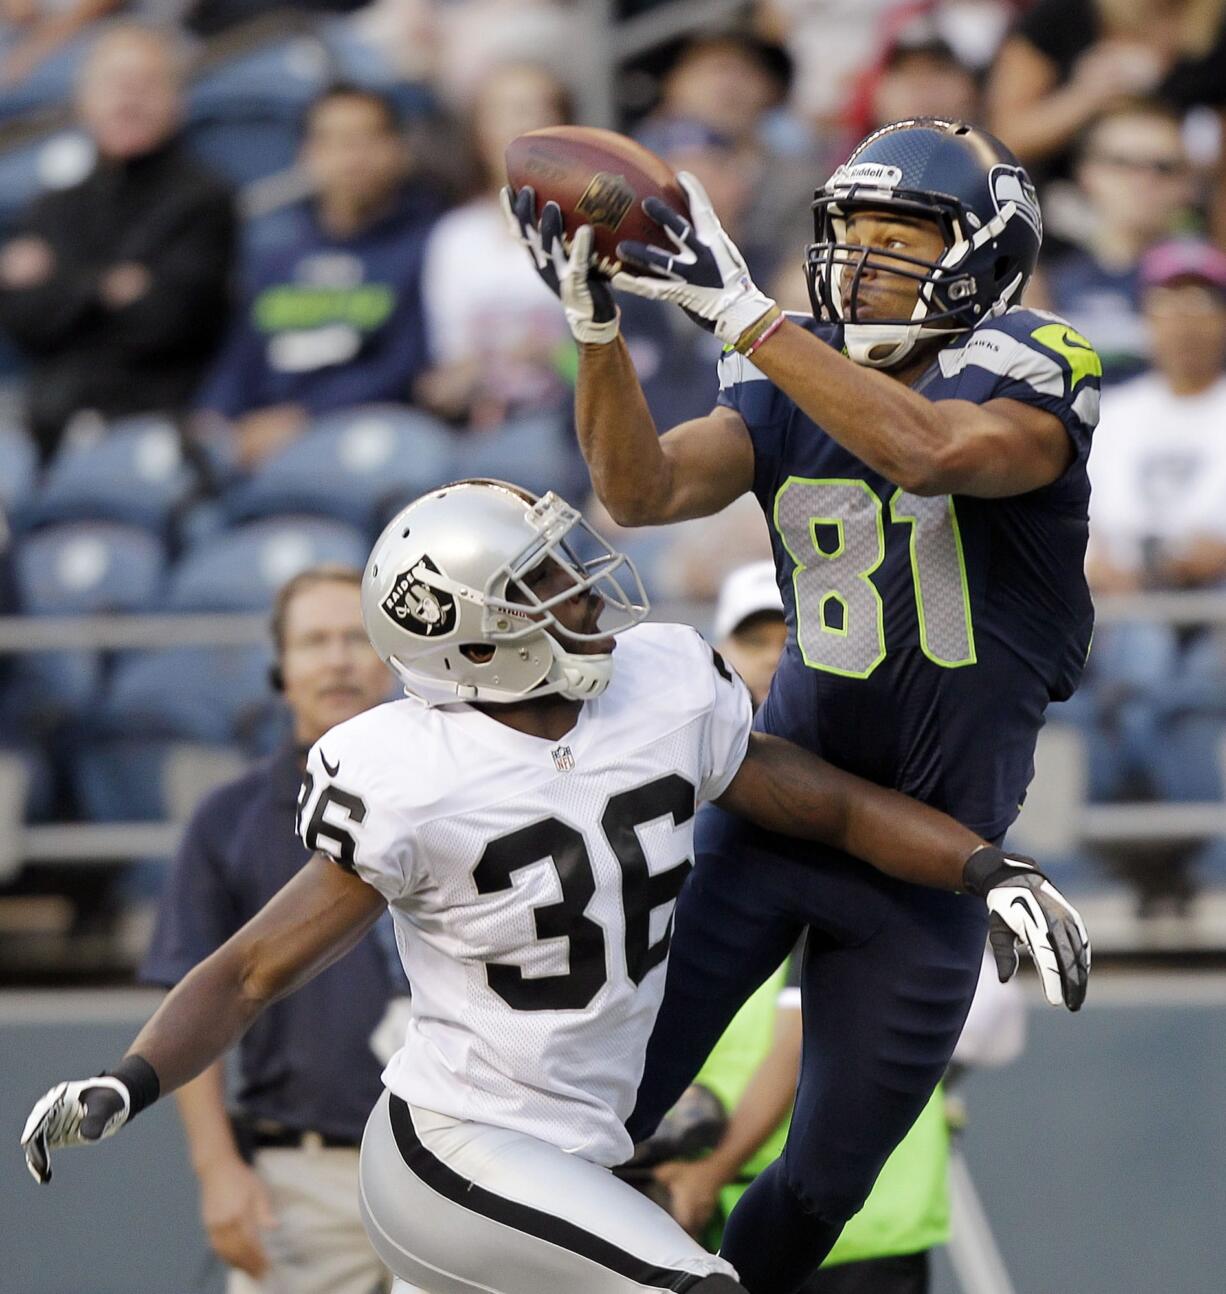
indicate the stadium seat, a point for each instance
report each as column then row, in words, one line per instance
column 87, row 567
column 132, row 471
column 241, row 569
column 246, row 145
column 79, row 568
column 34, row 159
column 359, row 61
column 244, row 109
column 537, row 452
column 18, row 466
column 215, row 695
column 50, row 83
column 142, row 779
column 349, row 465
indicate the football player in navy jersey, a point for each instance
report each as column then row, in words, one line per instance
column 919, row 449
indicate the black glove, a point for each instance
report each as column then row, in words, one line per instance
column 1026, row 907
column 573, row 278
column 693, row 1126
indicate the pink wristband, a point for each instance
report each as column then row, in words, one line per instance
column 768, row 333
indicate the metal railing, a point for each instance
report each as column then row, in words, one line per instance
column 1068, row 821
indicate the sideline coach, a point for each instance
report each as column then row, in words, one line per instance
column 278, row 1182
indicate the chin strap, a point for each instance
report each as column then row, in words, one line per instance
column 583, row 676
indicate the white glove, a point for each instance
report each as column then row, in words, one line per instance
column 73, row 1114
column 705, row 274
column 1027, row 908
column 574, row 279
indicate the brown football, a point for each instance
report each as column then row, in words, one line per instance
column 598, row 178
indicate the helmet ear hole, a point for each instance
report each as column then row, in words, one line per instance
column 1000, row 271
column 478, row 653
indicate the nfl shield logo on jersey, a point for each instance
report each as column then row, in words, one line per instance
column 563, row 758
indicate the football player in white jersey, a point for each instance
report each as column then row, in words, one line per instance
column 527, row 815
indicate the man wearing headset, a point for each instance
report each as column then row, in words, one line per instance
column 278, row 1184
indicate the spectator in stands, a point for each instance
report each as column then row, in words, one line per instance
column 749, row 625
column 1157, row 521
column 736, row 86
column 1067, row 60
column 332, row 314
column 919, row 75
column 278, row 1187
column 1135, row 178
column 117, row 287
column 494, row 334
column 729, row 81
column 676, row 361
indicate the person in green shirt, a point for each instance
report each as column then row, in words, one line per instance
column 752, row 1071
column 883, row 1249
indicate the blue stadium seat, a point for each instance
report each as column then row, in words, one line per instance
column 538, row 452
column 349, row 465
column 79, row 568
column 18, row 466
column 33, row 161
column 217, row 695
column 50, row 84
column 207, row 694
column 285, row 72
column 134, row 472
column 241, row 569
column 359, row 61
column 132, row 779
column 244, row 113
column 87, row 567
column 246, row 145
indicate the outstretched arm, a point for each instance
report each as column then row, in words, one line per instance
column 929, row 447
column 791, row 791
column 642, row 478
column 311, row 922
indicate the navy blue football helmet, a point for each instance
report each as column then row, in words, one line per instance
column 977, row 193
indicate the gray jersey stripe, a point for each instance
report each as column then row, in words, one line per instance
column 999, row 353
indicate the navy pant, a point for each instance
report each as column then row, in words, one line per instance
column 887, row 980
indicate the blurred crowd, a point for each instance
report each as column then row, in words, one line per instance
column 255, row 291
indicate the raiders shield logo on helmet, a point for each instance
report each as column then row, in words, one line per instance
column 417, row 606
column 606, row 200
column 1012, row 184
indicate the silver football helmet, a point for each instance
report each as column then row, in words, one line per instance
column 446, row 606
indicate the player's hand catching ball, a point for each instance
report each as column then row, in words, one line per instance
column 572, row 277
column 1025, row 907
column 704, row 273
column 73, row 1114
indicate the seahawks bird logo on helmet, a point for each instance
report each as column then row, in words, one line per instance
column 976, row 193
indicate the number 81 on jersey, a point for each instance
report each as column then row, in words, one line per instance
column 840, row 617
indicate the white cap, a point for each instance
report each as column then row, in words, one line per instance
column 746, row 592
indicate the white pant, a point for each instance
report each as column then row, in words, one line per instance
column 465, row 1208
column 320, row 1245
